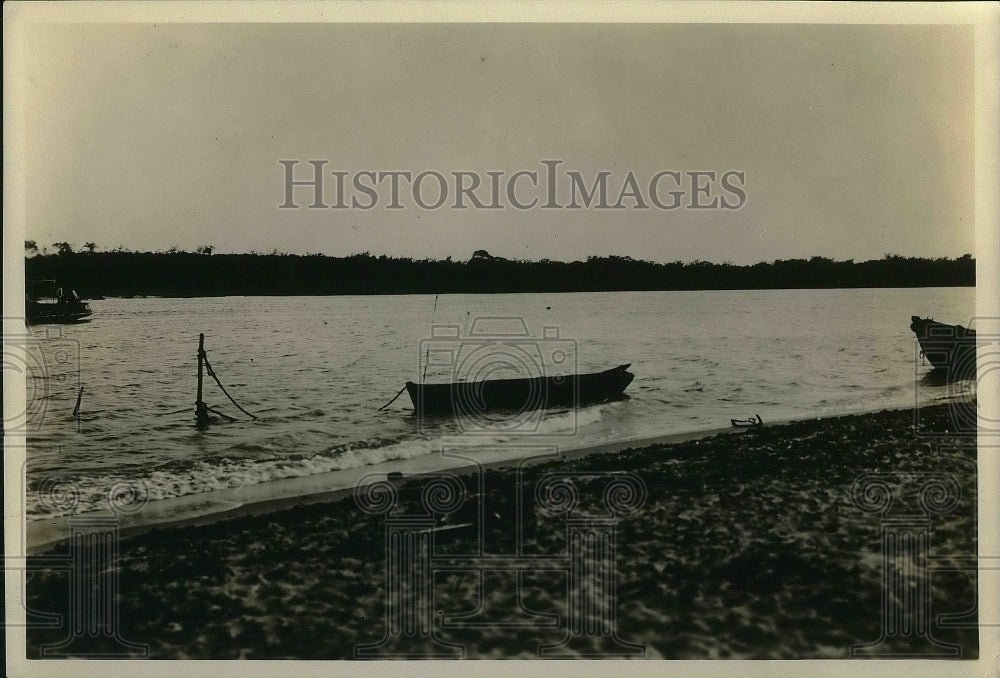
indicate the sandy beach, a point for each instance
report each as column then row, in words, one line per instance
column 764, row 543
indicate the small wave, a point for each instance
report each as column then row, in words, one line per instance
column 220, row 474
column 241, row 464
column 211, row 476
column 569, row 420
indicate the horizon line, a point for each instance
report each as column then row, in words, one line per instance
column 211, row 250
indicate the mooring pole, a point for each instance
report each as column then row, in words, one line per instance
column 200, row 409
column 79, row 397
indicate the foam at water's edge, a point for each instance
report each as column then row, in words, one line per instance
column 327, row 486
column 223, row 474
column 290, row 492
column 224, row 484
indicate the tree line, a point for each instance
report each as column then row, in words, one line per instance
column 122, row 272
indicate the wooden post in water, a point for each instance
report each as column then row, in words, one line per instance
column 79, row 397
column 200, row 409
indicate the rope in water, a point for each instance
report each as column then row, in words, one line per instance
column 168, row 414
column 393, row 399
column 211, row 373
column 221, row 414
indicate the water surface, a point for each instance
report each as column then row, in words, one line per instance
column 315, row 370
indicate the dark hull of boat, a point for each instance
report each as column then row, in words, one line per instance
column 520, row 395
column 36, row 313
column 946, row 347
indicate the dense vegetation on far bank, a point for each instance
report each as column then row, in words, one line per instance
column 201, row 273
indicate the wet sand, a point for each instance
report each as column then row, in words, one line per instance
column 255, row 499
column 746, row 545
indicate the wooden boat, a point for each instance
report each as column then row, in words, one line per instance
column 746, row 423
column 946, row 347
column 520, row 395
column 45, row 304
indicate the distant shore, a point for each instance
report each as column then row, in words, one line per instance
column 755, row 544
column 122, row 273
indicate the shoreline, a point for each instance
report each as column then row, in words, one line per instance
column 754, row 546
column 466, row 293
column 44, row 535
column 197, row 273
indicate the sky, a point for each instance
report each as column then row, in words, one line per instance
column 852, row 141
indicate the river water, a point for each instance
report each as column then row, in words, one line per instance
column 315, row 370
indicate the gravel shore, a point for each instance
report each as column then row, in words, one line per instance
column 768, row 543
